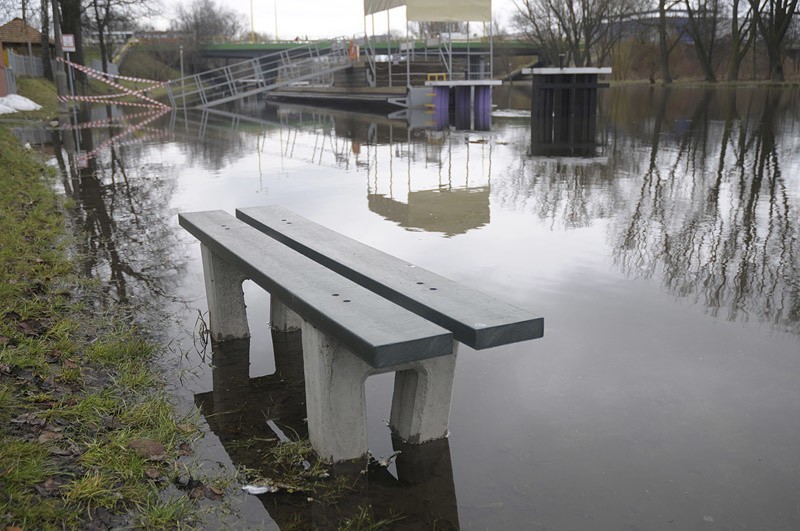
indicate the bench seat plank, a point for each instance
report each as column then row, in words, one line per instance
column 380, row 332
column 476, row 319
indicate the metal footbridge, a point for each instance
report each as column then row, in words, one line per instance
column 312, row 64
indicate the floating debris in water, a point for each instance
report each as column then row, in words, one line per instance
column 279, row 432
column 259, row 489
column 386, row 461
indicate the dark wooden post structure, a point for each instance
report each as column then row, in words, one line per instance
column 564, row 110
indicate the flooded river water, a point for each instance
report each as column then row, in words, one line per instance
column 665, row 392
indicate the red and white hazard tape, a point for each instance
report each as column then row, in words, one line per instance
column 138, row 93
column 122, row 103
column 82, row 160
column 102, row 76
column 116, row 138
column 129, row 78
column 127, row 92
column 152, row 134
column 115, row 121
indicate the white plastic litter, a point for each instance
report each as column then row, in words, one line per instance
column 257, row 489
column 15, row 102
column 511, row 113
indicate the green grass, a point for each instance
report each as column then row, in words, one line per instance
column 76, row 390
column 93, row 490
column 25, row 465
column 120, row 346
column 162, row 514
column 40, row 91
column 139, row 63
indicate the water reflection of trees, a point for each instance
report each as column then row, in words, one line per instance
column 713, row 215
column 126, row 232
column 694, row 185
column 568, row 193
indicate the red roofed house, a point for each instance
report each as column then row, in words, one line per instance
column 16, row 35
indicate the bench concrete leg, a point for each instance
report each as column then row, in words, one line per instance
column 281, row 318
column 227, row 312
column 335, row 403
column 421, row 400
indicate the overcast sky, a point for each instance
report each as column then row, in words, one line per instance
column 328, row 18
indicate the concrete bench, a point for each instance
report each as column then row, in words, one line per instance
column 477, row 320
column 348, row 334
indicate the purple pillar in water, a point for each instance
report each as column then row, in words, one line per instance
column 441, row 107
column 483, row 108
column 463, row 114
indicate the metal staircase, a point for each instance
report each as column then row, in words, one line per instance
column 310, row 64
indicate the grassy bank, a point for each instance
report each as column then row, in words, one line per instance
column 87, row 437
column 42, row 92
column 85, row 433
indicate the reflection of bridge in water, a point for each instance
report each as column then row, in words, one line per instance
column 441, row 196
column 250, row 414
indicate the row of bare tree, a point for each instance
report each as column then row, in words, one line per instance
column 586, row 31
column 198, row 20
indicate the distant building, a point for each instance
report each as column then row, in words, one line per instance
column 16, row 35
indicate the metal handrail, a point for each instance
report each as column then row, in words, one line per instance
column 306, row 63
column 372, row 70
column 444, row 54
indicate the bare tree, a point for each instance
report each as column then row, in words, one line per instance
column 704, row 16
column 45, row 40
column 104, row 16
column 71, row 13
column 26, row 19
column 667, row 40
column 201, row 21
column 584, row 30
column 205, row 20
column 7, row 10
column 540, row 26
column 773, row 17
column 431, row 29
column 743, row 32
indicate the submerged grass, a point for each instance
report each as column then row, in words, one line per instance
column 77, row 396
column 365, row 520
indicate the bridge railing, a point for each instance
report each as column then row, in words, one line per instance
column 312, row 63
column 446, row 56
column 368, row 51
